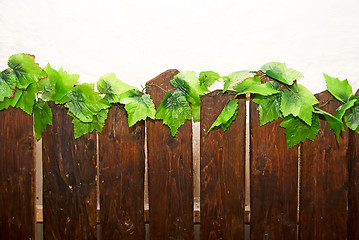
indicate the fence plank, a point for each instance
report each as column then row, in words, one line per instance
column 69, row 180
column 222, row 171
column 17, row 174
column 324, row 182
column 122, row 169
column 353, row 206
column 273, row 180
column 170, row 165
column 353, row 221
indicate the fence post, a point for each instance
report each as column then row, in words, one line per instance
column 170, row 172
column 353, row 205
column 273, row 179
column 222, row 171
column 324, row 182
column 17, row 175
column 69, row 180
column 122, row 169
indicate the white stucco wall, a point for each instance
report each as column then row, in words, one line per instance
column 139, row 39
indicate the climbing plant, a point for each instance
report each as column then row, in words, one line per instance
column 25, row 85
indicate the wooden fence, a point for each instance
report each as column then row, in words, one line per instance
column 325, row 207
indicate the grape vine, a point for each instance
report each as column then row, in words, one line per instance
column 27, row 86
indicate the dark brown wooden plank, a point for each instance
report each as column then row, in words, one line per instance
column 222, row 171
column 324, row 182
column 17, row 175
column 69, row 180
column 353, row 206
column 122, row 169
column 273, row 179
column 197, row 216
column 170, row 165
column 353, row 221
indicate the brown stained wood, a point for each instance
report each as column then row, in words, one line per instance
column 222, row 171
column 273, row 179
column 122, row 169
column 170, row 163
column 353, row 205
column 353, row 219
column 324, row 182
column 197, row 216
column 69, row 180
column 17, row 175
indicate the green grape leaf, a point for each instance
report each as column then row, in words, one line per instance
column 339, row 113
column 269, row 106
column 351, row 117
column 25, row 69
column 196, row 111
column 229, row 122
column 56, row 86
column 63, row 100
column 11, row 101
column 85, row 102
column 235, row 77
column 112, row 87
column 341, row 90
column 298, row 101
column 97, row 123
column 27, row 99
column 207, row 78
column 280, row 72
column 227, row 116
column 42, row 117
column 191, row 87
column 7, row 84
column 254, row 85
column 188, row 83
column 138, row 107
column 297, row 131
column 334, row 123
column 174, row 110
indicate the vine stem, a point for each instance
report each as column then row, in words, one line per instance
column 213, row 95
column 287, row 87
column 155, row 85
column 228, row 97
column 322, row 105
column 229, row 91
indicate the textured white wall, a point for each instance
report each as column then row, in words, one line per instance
column 139, row 39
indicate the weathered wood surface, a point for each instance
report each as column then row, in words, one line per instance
column 122, row 169
column 273, row 179
column 17, row 175
column 170, row 170
column 353, row 221
column 324, row 182
column 69, row 180
column 222, row 171
column 353, row 205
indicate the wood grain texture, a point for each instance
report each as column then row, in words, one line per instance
column 353, row 201
column 324, row 182
column 222, row 171
column 273, row 179
column 69, row 180
column 353, row 219
column 122, row 169
column 17, row 175
column 170, row 164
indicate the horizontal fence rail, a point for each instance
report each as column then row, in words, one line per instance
column 310, row 191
